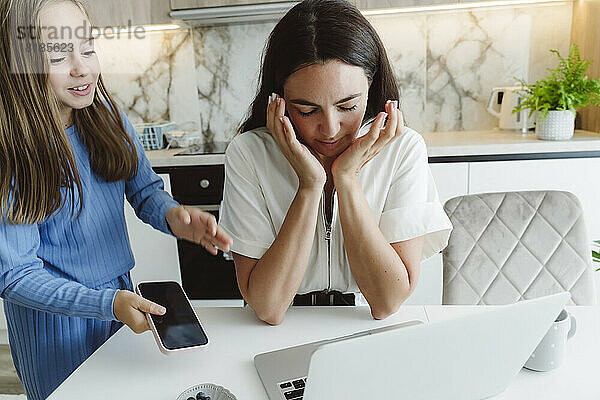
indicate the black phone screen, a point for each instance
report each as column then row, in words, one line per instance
column 178, row 327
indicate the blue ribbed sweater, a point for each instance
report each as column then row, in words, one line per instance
column 66, row 265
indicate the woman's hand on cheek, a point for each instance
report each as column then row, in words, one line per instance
column 199, row 227
column 348, row 164
column 308, row 168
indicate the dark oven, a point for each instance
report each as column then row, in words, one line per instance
column 204, row 276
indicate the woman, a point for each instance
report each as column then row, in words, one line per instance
column 328, row 197
column 68, row 159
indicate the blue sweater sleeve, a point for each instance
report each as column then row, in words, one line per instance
column 145, row 191
column 24, row 281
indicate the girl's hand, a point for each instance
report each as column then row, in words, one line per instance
column 363, row 149
column 199, row 227
column 308, row 168
column 129, row 308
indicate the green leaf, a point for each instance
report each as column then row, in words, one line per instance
column 566, row 87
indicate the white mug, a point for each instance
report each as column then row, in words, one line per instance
column 550, row 353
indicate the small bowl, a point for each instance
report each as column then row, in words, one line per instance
column 215, row 392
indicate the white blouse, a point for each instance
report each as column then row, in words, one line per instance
column 260, row 186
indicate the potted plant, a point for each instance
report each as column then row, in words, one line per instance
column 556, row 97
column 596, row 253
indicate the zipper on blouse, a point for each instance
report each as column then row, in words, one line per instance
column 328, row 238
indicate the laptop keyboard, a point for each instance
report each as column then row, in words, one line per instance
column 293, row 389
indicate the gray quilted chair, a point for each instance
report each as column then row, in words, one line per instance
column 511, row 246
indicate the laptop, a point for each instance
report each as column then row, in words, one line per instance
column 470, row 357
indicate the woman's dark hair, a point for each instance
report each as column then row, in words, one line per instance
column 317, row 31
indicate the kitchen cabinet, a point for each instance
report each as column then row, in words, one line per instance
column 361, row 4
column 127, row 13
column 451, row 180
column 380, row 4
column 209, row 12
column 155, row 253
column 188, row 4
column 575, row 175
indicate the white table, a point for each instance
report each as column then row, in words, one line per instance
column 130, row 366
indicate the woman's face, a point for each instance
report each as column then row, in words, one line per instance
column 326, row 103
column 74, row 66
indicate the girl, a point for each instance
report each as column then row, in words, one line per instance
column 328, row 197
column 68, row 159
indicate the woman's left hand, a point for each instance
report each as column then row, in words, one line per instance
column 363, row 149
column 199, row 227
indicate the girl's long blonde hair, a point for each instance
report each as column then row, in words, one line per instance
column 38, row 172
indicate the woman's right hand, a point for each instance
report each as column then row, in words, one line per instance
column 308, row 168
column 130, row 309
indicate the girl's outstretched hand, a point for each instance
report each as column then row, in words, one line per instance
column 363, row 149
column 199, row 227
column 129, row 308
column 310, row 172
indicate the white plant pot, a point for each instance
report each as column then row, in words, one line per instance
column 558, row 125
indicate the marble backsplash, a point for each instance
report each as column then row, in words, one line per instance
column 446, row 64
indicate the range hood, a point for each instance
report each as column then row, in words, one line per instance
column 232, row 14
column 274, row 11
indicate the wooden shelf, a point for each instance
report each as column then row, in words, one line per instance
column 585, row 33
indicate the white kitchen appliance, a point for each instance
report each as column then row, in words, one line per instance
column 501, row 103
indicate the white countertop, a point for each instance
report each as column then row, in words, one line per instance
column 439, row 144
column 167, row 158
column 469, row 143
column 130, row 366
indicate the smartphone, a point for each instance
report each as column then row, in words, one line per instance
column 179, row 328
